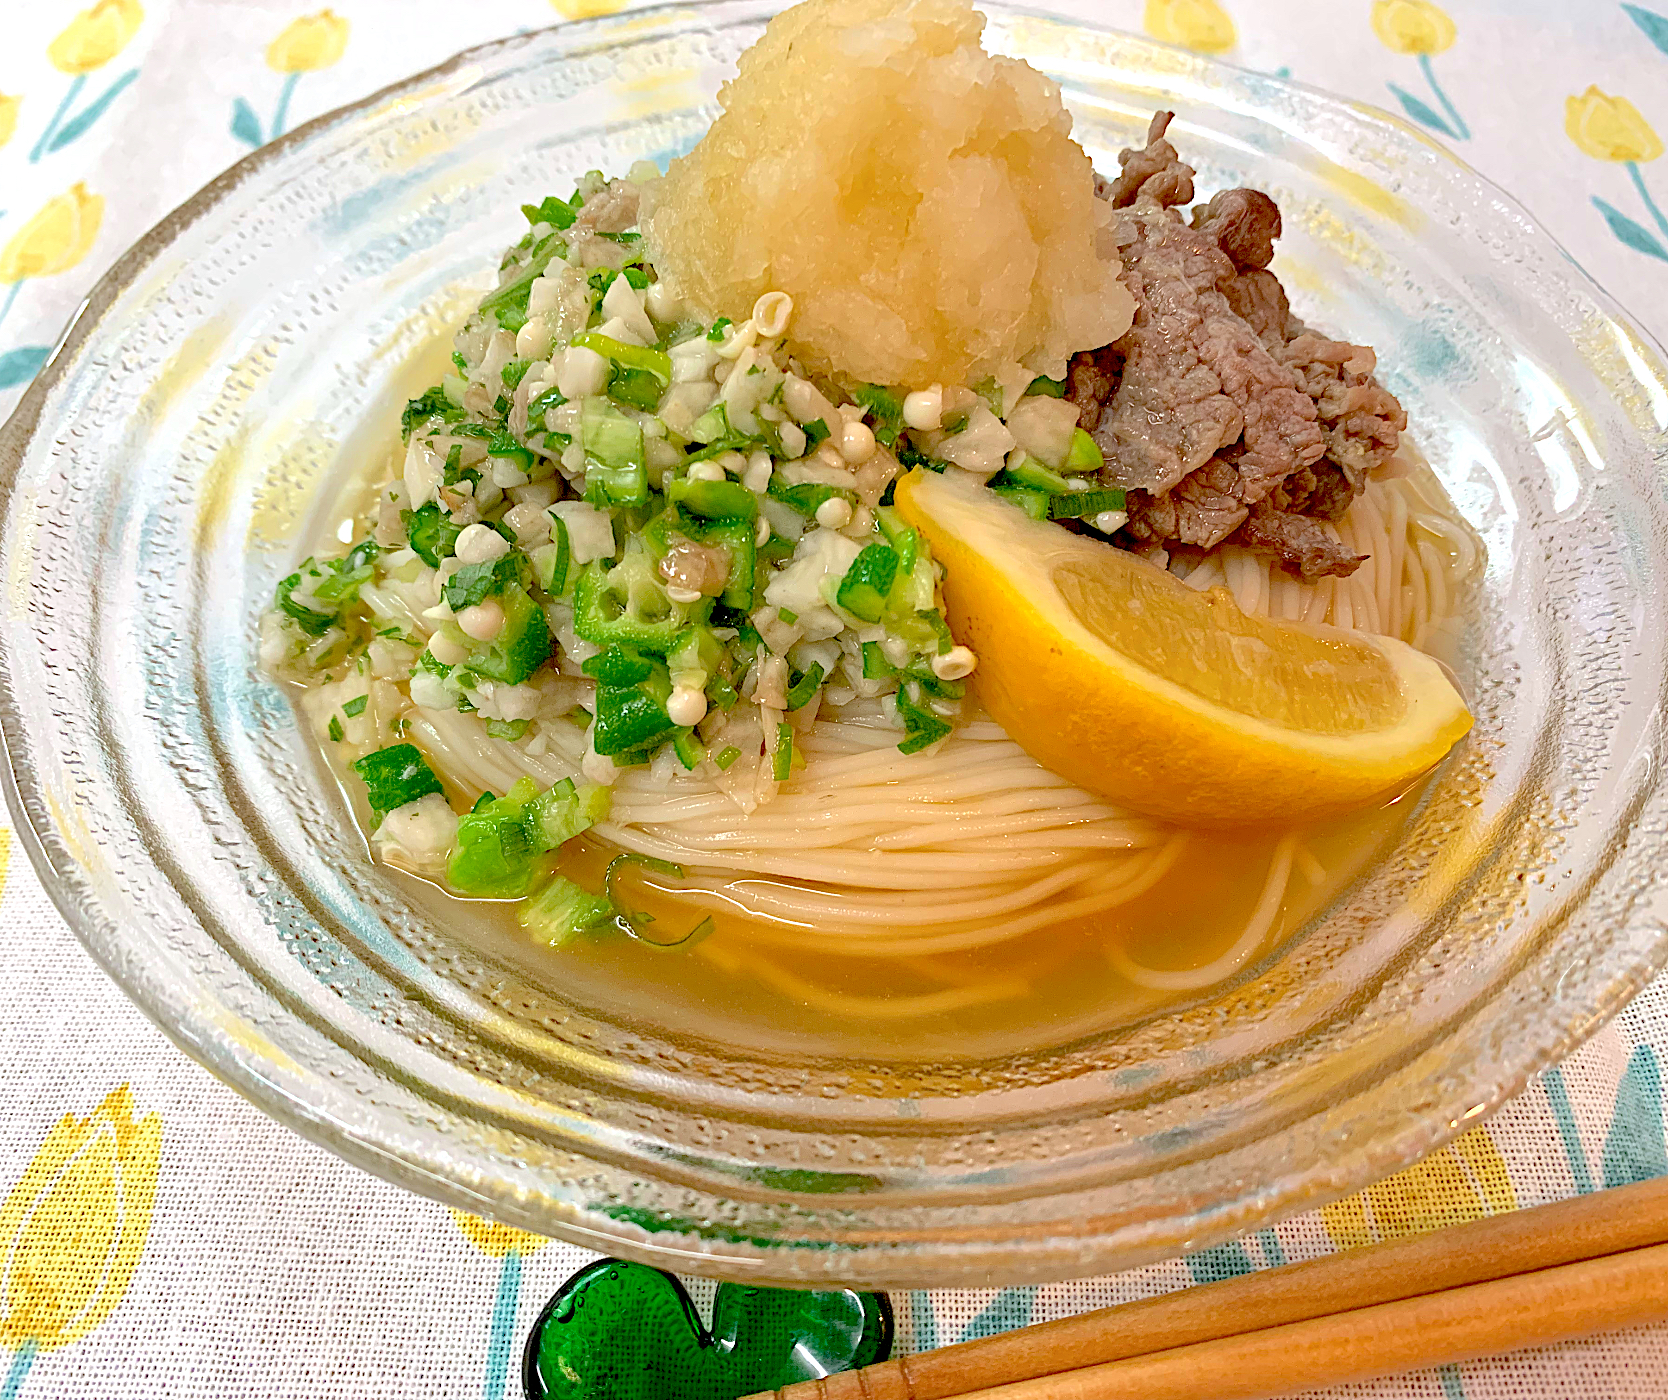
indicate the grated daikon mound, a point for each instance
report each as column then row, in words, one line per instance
column 921, row 201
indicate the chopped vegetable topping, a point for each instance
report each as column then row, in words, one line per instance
column 561, row 911
column 395, row 776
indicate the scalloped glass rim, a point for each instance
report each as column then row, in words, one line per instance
column 162, row 793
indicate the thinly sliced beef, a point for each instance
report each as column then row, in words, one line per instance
column 1243, row 223
column 1322, row 491
column 1156, row 173
column 1362, row 420
column 1196, row 377
column 1259, row 300
column 1202, row 510
column 1090, row 380
column 1219, row 412
column 1299, row 541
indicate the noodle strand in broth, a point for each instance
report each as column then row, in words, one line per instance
column 870, row 853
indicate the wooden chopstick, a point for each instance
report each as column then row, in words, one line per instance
column 1481, row 1319
column 1526, row 1256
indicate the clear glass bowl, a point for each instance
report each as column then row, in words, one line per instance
column 161, row 473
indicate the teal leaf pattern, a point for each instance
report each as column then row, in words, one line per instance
column 21, row 365
column 924, row 1319
column 502, row 1335
column 1655, row 26
column 246, row 126
column 1421, row 112
column 1558, row 1100
column 1633, row 1148
column 1010, row 1308
column 1219, row 1262
column 77, row 125
column 1632, row 233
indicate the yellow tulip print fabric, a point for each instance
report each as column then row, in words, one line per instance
column 306, row 44
column 73, row 1230
column 160, row 1238
column 1201, row 25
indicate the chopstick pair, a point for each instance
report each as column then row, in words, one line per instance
column 1546, row 1274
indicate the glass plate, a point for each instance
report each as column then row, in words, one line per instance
column 160, row 475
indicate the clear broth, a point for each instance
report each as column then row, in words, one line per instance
column 1191, row 917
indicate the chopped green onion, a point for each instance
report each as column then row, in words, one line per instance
column 501, row 840
column 335, row 731
column 1033, row 503
column 1075, row 505
column 730, row 754
column 563, row 811
column 355, row 706
column 514, row 372
column 494, row 857
column 633, row 923
column 628, row 357
column 816, row 433
column 505, row 445
column 788, row 615
column 781, row 761
column 935, row 620
column 558, row 213
column 688, row 749
column 696, row 649
column 921, row 726
column 885, row 407
column 875, row 665
column 907, row 544
column 1085, row 457
column 801, row 691
column 1026, row 470
column 511, row 729
column 1046, row 388
column 551, row 561
column 711, row 426
column 722, row 324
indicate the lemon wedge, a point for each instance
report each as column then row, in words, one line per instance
column 1172, row 702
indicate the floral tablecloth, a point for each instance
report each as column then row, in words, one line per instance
column 162, row 1238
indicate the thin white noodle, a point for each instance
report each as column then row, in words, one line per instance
column 1256, row 931
column 880, row 854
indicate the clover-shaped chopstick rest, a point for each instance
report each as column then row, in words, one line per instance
column 619, row 1331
